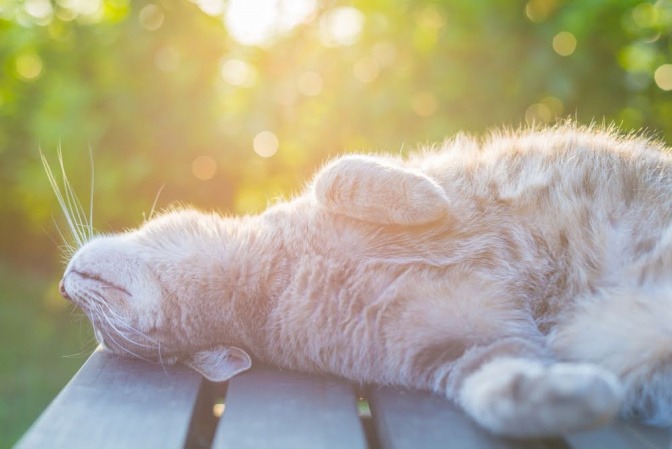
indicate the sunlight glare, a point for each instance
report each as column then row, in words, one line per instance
column 258, row 22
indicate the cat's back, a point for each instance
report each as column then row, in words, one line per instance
column 593, row 202
column 520, row 167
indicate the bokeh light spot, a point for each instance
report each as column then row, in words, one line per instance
column 539, row 10
column 66, row 14
column 167, row 59
column 258, row 22
column 638, row 57
column 218, row 409
column 82, row 7
column 29, row 66
column 204, row 167
column 310, row 83
column 40, row 10
column 645, row 15
column 554, row 105
column 564, row 43
column 429, row 17
column 663, row 76
column 424, row 104
column 384, row 52
column 286, row 95
column 366, row 69
column 210, row 7
column 237, row 72
column 341, row 26
column 538, row 113
column 265, row 144
column 151, row 17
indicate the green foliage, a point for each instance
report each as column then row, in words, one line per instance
column 165, row 94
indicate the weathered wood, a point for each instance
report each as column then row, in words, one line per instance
column 274, row 409
column 409, row 420
column 118, row 403
column 622, row 435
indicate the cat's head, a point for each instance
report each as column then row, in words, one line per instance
column 141, row 288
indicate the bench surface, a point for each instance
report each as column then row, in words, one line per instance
column 120, row 403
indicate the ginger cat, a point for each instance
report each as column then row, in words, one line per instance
column 526, row 276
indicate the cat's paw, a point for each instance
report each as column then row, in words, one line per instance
column 649, row 396
column 373, row 190
column 523, row 398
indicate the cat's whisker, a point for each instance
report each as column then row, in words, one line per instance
column 61, row 201
column 73, row 202
column 163, row 365
column 100, row 313
column 91, row 193
column 133, row 354
column 115, row 325
column 156, row 200
column 77, row 355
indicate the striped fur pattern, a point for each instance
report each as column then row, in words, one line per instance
column 526, row 276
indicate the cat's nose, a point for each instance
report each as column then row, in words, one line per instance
column 61, row 288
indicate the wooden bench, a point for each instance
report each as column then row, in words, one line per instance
column 120, row 403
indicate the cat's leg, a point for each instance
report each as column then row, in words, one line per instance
column 376, row 190
column 511, row 388
column 626, row 330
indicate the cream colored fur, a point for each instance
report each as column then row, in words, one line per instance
column 526, row 276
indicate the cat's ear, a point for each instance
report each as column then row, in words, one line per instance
column 219, row 363
column 378, row 191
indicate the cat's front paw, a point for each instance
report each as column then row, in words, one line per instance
column 523, row 398
column 376, row 191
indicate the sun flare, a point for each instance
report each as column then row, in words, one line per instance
column 258, row 22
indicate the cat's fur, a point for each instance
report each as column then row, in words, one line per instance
column 528, row 277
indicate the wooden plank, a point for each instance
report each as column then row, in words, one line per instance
column 407, row 419
column 265, row 408
column 118, row 403
column 622, row 435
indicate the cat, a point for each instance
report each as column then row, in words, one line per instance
column 527, row 276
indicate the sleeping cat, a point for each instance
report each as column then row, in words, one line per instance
column 526, row 276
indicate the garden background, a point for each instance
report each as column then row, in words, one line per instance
column 226, row 105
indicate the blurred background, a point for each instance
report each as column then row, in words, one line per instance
column 228, row 104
